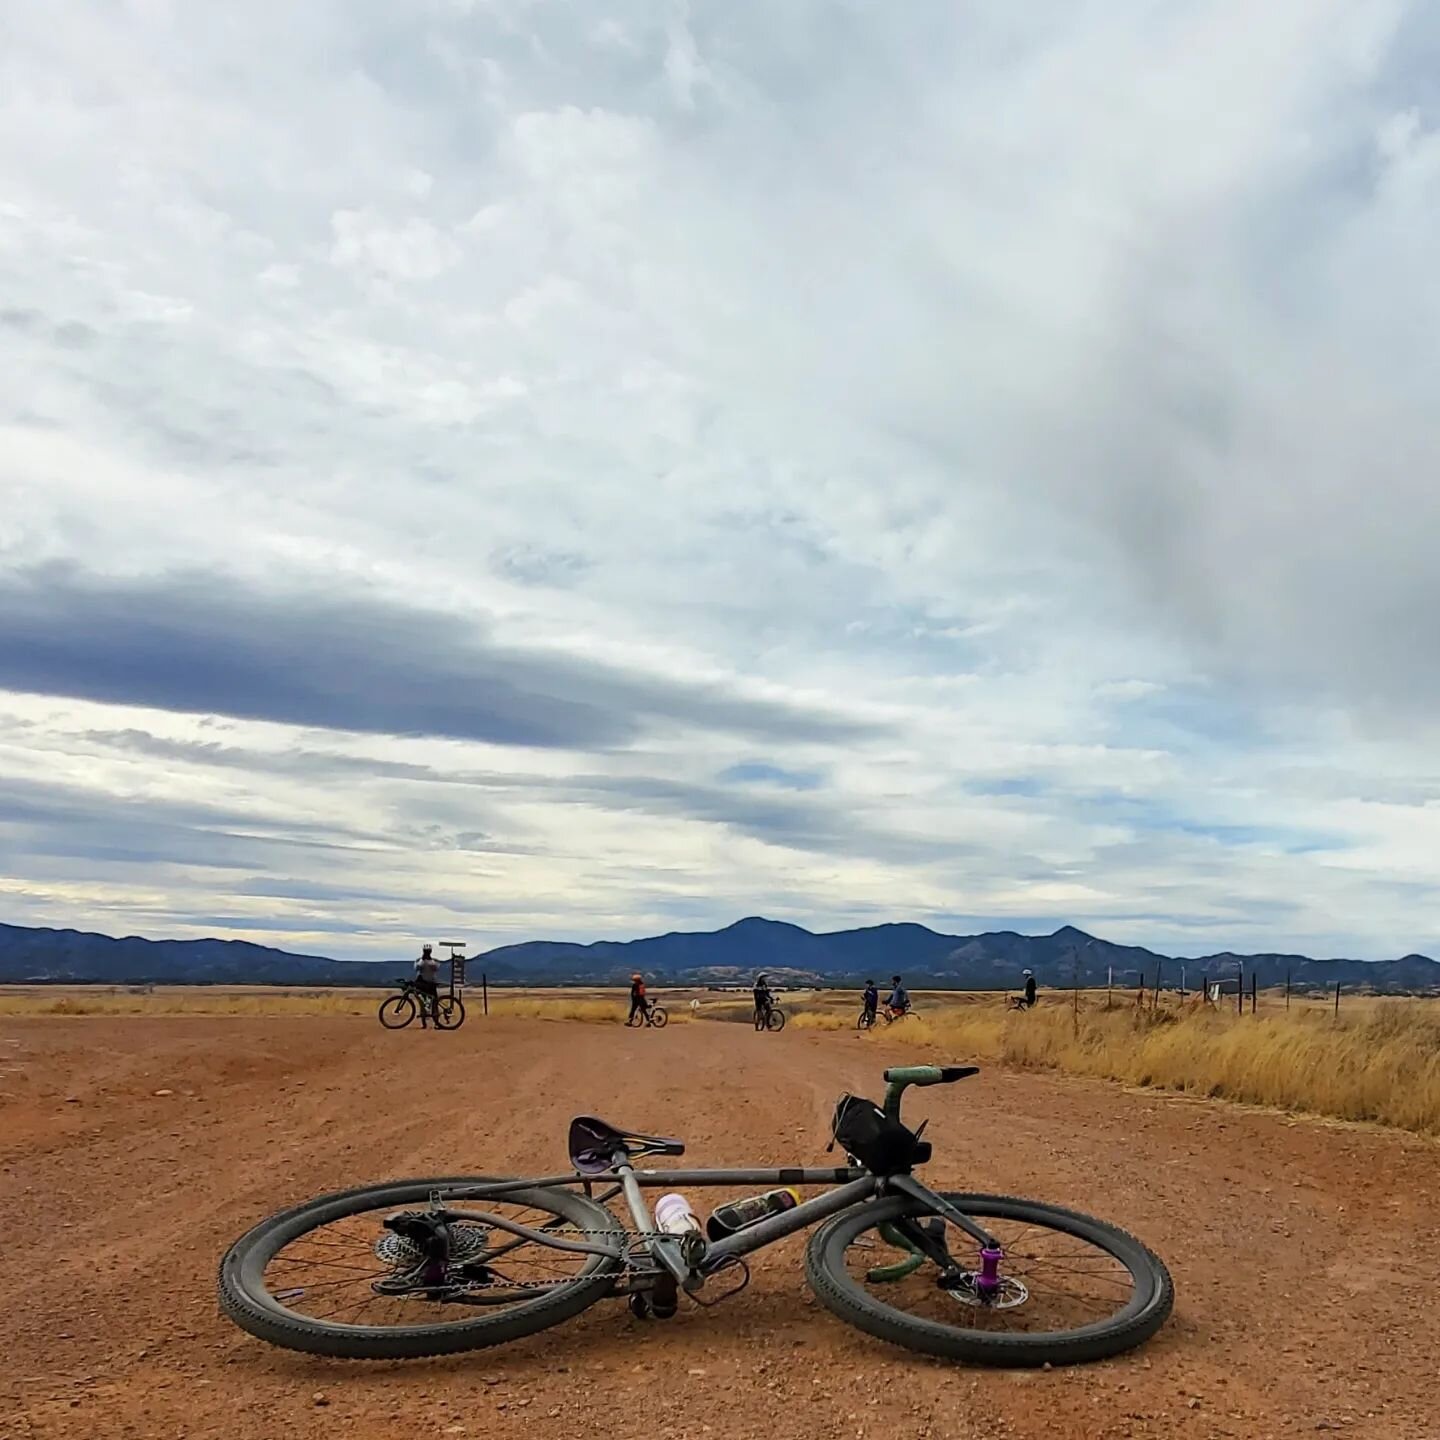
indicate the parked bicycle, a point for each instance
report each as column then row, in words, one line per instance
column 868, row 1018
column 397, row 1011
column 772, row 1018
column 433, row 1266
column 653, row 1015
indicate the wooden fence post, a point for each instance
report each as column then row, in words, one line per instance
column 1252, row 992
column 1287, row 989
column 484, row 992
column 1337, row 999
column 1155, row 998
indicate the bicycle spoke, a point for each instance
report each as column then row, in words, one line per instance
column 328, row 1274
column 1052, row 1280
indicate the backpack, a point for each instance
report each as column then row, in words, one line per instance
column 874, row 1139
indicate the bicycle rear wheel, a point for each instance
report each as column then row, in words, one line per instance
column 328, row 1278
column 658, row 1018
column 1071, row 1288
column 866, row 1020
column 397, row 1011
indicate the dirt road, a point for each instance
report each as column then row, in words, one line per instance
column 1306, row 1256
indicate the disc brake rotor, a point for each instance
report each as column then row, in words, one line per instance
column 1010, row 1294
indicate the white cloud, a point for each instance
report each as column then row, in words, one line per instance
column 1053, row 384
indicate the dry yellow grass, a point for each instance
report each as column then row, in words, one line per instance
column 585, row 1006
column 177, row 1000
column 1380, row 1063
column 588, row 1012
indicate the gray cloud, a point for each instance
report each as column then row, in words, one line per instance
column 68, row 821
column 796, row 819
column 203, row 644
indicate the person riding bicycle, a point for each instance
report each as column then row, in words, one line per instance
column 1029, row 989
column 899, row 1001
column 639, row 1005
column 764, row 1000
column 870, row 999
column 427, row 982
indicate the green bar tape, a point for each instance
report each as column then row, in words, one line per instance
column 899, row 1269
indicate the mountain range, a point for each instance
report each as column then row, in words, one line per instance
column 789, row 954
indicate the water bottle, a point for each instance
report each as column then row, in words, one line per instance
column 739, row 1214
column 674, row 1216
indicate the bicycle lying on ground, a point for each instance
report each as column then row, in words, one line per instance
column 773, row 1019
column 890, row 1016
column 654, row 1015
column 397, row 1011
column 429, row 1267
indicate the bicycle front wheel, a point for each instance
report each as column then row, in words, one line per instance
column 1070, row 1288
column 397, row 1011
column 658, row 1018
column 449, row 1012
column 328, row 1278
column 775, row 1020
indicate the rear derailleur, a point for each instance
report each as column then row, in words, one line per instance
column 431, row 1257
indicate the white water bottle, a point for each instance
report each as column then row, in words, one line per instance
column 674, row 1216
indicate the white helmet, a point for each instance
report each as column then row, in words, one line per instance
column 1029, row 972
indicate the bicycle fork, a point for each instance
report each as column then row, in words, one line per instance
column 926, row 1241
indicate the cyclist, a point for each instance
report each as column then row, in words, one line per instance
column 639, row 1005
column 427, row 982
column 899, row 1001
column 871, row 1001
column 763, row 999
column 1029, row 989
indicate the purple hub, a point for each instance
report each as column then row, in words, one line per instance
column 987, row 1282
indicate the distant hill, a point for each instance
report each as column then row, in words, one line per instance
column 77, row 957
column 792, row 956
column 928, row 959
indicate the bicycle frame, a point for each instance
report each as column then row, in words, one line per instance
column 852, row 1186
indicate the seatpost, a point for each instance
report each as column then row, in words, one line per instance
column 664, row 1248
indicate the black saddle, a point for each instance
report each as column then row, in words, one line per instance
column 594, row 1144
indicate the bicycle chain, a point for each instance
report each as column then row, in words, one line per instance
column 501, row 1283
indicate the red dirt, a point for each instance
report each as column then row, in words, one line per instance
column 1306, row 1256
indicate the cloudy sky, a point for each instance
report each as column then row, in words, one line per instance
column 515, row 469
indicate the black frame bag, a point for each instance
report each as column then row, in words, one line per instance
column 874, row 1139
